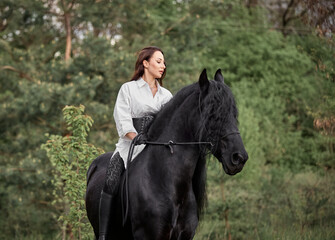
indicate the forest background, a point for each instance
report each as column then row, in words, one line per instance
column 277, row 56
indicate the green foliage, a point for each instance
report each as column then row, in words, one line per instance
column 71, row 156
column 284, row 87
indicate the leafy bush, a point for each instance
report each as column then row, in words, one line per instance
column 71, row 156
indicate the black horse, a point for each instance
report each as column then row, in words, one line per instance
column 167, row 188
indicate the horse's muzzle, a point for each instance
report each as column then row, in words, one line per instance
column 238, row 158
column 235, row 164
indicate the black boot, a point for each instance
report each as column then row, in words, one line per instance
column 110, row 189
column 104, row 214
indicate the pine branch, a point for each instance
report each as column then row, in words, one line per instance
column 21, row 74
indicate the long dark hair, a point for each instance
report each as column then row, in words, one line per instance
column 145, row 54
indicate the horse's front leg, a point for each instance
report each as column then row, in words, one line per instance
column 154, row 228
column 187, row 220
column 153, row 219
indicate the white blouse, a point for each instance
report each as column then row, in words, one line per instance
column 135, row 100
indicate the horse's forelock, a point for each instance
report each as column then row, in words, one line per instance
column 218, row 111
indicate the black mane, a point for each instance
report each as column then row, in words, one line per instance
column 218, row 110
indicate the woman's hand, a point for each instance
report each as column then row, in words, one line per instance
column 131, row 135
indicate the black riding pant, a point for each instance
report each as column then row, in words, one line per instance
column 114, row 170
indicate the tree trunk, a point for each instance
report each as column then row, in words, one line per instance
column 225, row 214
column 68, row 36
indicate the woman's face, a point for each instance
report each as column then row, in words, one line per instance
column 156, row 65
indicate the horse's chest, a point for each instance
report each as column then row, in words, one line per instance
column 167, row 220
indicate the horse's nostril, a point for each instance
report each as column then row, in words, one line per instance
column 238, row 159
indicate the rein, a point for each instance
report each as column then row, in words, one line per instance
column 171, row 143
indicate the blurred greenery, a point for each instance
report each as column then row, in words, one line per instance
column 282, row 76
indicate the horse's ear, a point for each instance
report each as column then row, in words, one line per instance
column 218, row 76
column 203, row 81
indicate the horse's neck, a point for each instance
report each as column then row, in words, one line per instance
column 176, row 124
column 178, row 171
column 174, row 169
column 181, row 128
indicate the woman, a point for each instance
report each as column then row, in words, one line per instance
column 143, row 94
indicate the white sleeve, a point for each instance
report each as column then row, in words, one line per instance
column 122, row 112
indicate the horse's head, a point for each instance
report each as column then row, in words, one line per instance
column 219, row 123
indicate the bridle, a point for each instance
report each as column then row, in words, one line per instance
column 169, row 144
